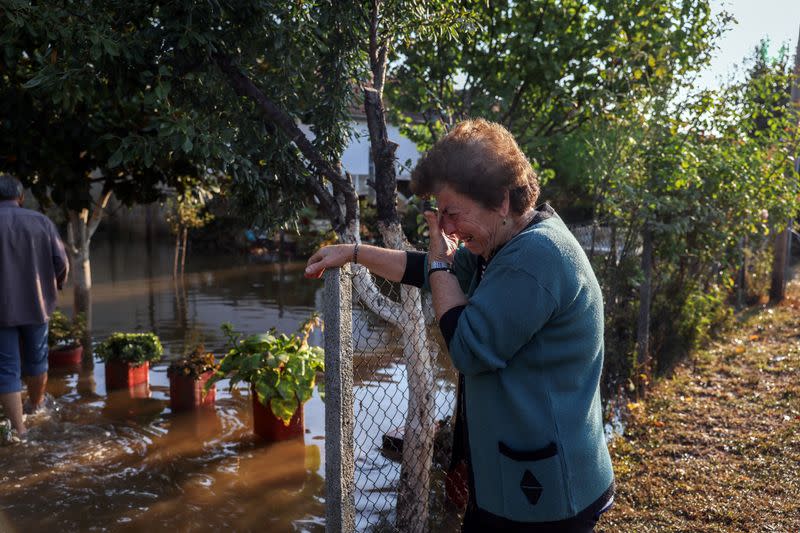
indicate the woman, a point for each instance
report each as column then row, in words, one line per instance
column 522, row 314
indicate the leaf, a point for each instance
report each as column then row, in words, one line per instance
column 115, row 159
column 283, row 409
column 33, row 82
column 264, row 391
column 286, row 389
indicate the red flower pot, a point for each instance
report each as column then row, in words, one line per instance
column 186, row 392
column 69, row 356
column 271, row 428
column 120, row 375
column 455, row 485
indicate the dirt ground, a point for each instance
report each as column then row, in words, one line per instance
column 716, row 446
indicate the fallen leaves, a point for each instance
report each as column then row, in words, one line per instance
column 716, row 447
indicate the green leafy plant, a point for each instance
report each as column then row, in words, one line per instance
column 133, row 348
column 282, row 369
column 194, row 365
column 63, row 333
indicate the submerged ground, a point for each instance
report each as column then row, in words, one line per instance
column 716, row 447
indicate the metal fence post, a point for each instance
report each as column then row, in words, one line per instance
column 339, row 457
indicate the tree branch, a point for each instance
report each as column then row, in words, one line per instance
column 371, row 296
column 383, row 154
column 71, row 244
column 97, row 214
column 277, row 117
column 377, row 50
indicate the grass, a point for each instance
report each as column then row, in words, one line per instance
column 716, row 446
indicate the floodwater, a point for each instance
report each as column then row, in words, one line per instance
column 99, row 461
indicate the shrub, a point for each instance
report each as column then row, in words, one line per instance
column 133, row 348
column 282, row 369
column 194, row 365
column 63, row 333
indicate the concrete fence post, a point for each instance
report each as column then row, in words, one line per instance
column 339, row 457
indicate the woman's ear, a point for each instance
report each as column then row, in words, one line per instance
column 505, row 207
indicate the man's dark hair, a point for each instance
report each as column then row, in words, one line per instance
column 10, row 187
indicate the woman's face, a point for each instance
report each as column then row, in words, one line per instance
column 468, row 221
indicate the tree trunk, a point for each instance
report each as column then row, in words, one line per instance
column 418, row 436
column 777, row 287
column 643, row 362
column 743, row 281
column 78, row 248
column 80, row 229
column 183, row 249
column 82, row 290
column 176, row 255
column 412, row 494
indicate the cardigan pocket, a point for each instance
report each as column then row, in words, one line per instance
column 533, row 484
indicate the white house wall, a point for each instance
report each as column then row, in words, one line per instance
column 356, row 160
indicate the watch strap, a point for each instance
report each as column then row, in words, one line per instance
column 439, row 266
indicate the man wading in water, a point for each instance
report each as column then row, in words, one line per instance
column 33, row 266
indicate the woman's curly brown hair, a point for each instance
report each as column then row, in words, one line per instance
column 481, row 160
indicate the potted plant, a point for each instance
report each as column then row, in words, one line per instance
column 64, row 339
column 187, row 379
column 127, row 357
column 281, row 371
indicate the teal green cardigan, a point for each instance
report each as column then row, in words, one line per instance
column 530, row 346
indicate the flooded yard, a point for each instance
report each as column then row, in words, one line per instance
column 100, row 461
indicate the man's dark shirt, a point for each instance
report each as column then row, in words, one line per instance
column 33, row 265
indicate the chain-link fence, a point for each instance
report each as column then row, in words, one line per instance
column 403, row 400
column 400, row 471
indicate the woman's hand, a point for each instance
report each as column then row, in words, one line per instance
column 442, row 247
column 332, row 256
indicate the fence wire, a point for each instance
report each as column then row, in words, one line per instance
column 381, row 399
column 384, row 341
column 381, row 335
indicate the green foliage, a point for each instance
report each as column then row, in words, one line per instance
column 197, row 363
column 704, row 312
column 76, row 98
column 709, row 174
column 368, row 216
column 64, row 333
column 543, row 68
column 281, row 369
column 133, row 348
column 758, row 259
column 134, row 90
column 188, row 210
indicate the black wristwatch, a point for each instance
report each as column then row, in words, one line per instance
column 438, row 266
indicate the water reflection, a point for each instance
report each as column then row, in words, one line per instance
column 119, row 462
column 122, row 461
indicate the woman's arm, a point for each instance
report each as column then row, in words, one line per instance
column 446, row 291
column 383, row 262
